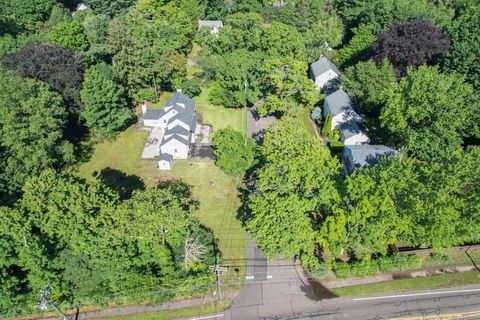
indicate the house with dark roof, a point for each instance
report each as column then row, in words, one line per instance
column 359, row 156
column 324, row 73
column 353, row 133
column 215, row 25
column 178, row 122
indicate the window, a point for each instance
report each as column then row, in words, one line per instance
column 164, row 121
column 175, row 150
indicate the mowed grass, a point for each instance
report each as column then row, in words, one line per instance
column 414, row 284
column 216, row 192
column 304, row 115
column 220, row 117
column 208, row 308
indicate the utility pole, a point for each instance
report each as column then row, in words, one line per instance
column 45, row 301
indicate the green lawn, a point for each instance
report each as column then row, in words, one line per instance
column 414, row 284
column 216, row 191
column 208, row 308
column 304, row 115
column 220, row 117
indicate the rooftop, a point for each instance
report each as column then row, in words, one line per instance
column 338, row 102
column 367, row 154
column 321, row 66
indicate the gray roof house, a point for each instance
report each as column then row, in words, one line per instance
column 214, row 24
column 358, row 156
column 178, row 121
column 353, row 133
column 341, row 108
column 324, row 73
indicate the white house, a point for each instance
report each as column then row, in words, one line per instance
column 358, row 156
column 215, row 25
column 339, row 106
column 178, row 121
column 353, row 133
column 323, row 73
column 83, row 6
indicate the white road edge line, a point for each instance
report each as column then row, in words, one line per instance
column 249, row 277
column 416, row 294
column 209, row 317
column 269, row 277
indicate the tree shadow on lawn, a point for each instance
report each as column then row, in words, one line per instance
column 120, row 182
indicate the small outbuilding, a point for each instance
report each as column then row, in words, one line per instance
column 324, row 73
column 165, row 161
column 359, row 156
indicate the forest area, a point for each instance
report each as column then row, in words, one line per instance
column 71, row 78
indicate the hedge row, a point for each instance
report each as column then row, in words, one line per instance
column 395, row 262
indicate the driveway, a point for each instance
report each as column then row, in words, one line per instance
column 201, row 152
column 152, row 145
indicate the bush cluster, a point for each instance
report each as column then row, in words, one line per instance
column 395, row 262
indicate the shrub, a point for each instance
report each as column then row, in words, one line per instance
column 414, row 262
column 327, row 126
column 385, row 264
column 341, row 269
column 364, row 268
column 321, row 270
column 403, row 262
column 146, row 94
column 191, row 87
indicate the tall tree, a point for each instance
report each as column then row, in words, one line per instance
column 428, row 113
column 237, row 80
column 323, row 34
column 294, row 188
column 111, row 7
column 410, row 44
column 234, row 151
column 70, row 34
column 27, row 13
column 365, row 83
column 357, row 47
column 286, row 86
column 60, row 68
column 464, row 54
column 104, row 100
column 32, row 124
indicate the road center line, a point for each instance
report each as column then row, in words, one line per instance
column 209, row 317
column 416, row 294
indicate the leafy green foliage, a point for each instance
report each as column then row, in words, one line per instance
column 191, row 87
column 27, row 13
column 327, row 31
column 428, row 113
column 110, row 8
column 105, row 106
column 237, row 80
column 365, row 83
column 464, row 53
column 286, row 85
column 356, row 49
column 91, row 247
column 234, row 151
column 154, row 59
column 294, row 186
column 70, row 34
column 32, row 124
column 381, row 14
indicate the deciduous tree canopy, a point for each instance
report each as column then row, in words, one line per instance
column 410, row 44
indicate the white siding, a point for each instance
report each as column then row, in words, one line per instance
column 177, row 122
column 164, row 165
column 175, row 148
column 360, row 138
column 324, row 78
column 152, row 123
column 338, row 120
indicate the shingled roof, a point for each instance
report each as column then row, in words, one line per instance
column 321, row 66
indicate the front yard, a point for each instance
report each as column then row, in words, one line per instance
column 216, row 192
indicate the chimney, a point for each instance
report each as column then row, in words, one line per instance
column 179, row 90
column 144, row 108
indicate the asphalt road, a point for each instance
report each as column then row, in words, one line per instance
column 279, row 290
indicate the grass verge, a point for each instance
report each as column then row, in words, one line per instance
column 196, row 311
column 414, row 284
